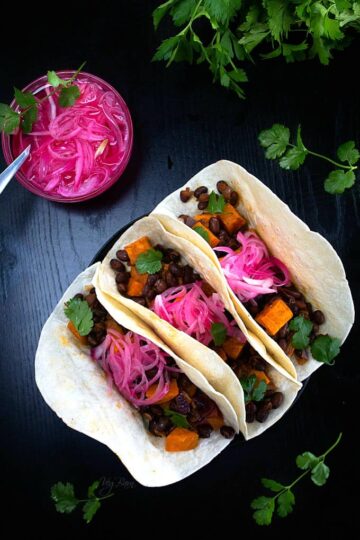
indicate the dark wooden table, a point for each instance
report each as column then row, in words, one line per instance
column 182, row 123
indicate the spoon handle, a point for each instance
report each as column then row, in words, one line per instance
column 13, row 168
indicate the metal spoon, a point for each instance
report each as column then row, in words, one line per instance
column 13, row 168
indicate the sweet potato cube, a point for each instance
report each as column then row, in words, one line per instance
column 83, row 339
column 181, row 440
column 136, row 248
column 233, row 347
column 136, row 283
column 231, row 219
column 215, row 419
column 260, row 375
column 204, row 218
column 171, row 393
column 213, row 240
column 274, row 316
column 113, row 325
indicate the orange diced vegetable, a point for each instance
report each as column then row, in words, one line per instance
column 274, row 316
column 260, row 375
column 204, row 218
column 233, row 347
column 213, row 240
column 221, row 353
column 136, row 283
column 215, row 420
column 231, row 219
column 181, row 439
column 83, row 339
column 171, row 394
column 110, row 323
column 135, row 248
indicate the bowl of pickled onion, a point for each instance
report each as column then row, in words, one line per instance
column 77, row 152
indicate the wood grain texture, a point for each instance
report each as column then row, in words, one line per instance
column 182, row 123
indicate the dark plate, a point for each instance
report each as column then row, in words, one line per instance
column 99, row 256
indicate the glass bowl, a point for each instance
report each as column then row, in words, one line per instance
column 37, row 86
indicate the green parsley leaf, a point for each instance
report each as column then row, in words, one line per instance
column 179, row 420
column 80, row 314
column 320, row 474
column 307, row 460
column 93, row 488
column 338, row 181
column 325, row 349
column 293, row 158
column 302, row 328
column 166, row 49
column 181, row 12
column 264, row 507
column 254, row 390
column 149, row 262
column 28, row 119
column 280, row 18
column 259, row 391
column 275, row 139
column 285, row 503
column 160, row 12
column 222, row 10
column 64, row 497
column 9, row 119
column 90, row 508
column 348, row 152
column 272, row 485
column 218, row 332
column 216, row 203
column 203, row 233
column 24, row 99
column 68, row 95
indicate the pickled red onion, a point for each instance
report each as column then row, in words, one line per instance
column 127, row 360
column 187, row 308
column 251, row 271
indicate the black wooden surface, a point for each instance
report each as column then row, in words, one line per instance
column 182, row 123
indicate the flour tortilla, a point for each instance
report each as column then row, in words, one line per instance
column 207, row 361
column 315, row 267
column 76, row 389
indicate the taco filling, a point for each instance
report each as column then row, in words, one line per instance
column 156, row 278
column 171, row 406
column 260, row 281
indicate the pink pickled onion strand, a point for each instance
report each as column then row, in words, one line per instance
column 251, row 271
column 127, row 359
column 64, row 142
column 187, row 308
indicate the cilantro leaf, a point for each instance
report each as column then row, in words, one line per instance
column 24, row 99
column 222, row 10
column 307, row 460
column 181, row 12
column 218, row 332
column 302, row 328
column 54, row 79
column 166, row 49
column 275, row 140
column 259, row 391
column 293, row 158
column 28, row 119
column 68, row 95
column 203, row 233
column 264, row 507
column 92, row 488
column 320, row 474
column 254, row 390
column 338, row 181
column 9, row 119
column 64, row 497
column 160, row 12
column 272, row 484
column 179, row 420
column 285, row 503
column 280, row 18
column 80, row 314
column 90, row 508
column 325, row 349
column 216, row 203
column 348, row 152
column 149, row 262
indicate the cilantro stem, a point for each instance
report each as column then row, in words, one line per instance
column 97, row 498
column 332, row 447
column 315, row 154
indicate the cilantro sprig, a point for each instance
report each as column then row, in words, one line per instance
column 276, row 141
column 203, row 233
column 324, row 348
column 80, row 314
column 254, row 390
column 66, row 501
column 10, row 120
column 302, row 329
column 284, row 500
column 179, row 420
column 149, row 262
column 216, row 203
column 218, row 332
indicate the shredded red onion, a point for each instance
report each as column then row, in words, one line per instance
column 187, row 308
column 251, row 271
column 127, row 360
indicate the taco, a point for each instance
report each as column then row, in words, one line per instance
column 115, row 381
column 172, row 286
column 287, row 283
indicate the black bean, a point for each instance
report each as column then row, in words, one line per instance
column 152, row 279
column 160, row 286
column 176, row 270
column 196, row 276
column 198, row 191
column 122, row 255
column 283, row 332
column 253, row 307
column 224, row 238
column 139, row 300
column 309, row 308
column 116, row 265
column 173, row 255
column 188, row 274
column 121, row 287
column 227, row 193
column 227, row 432
column 156, row 410
column 283, row 344
column 159, row 247
column 92, row 290
column 204, row 197
column 221, row 185
column 295, row 309
column 171, row 280
column 180, row 404
column 186, row 385
column 263, row 410
column 250, row 411
column 98, row 315
column 318, row 317
column 301, row 304
column 122, row 277
column 315, row 328
column 149, row 293
column 121, row 267
column 92, row 340
column 204, row 431
column 202, row 205
column 160, row 426
column 91, row 298
column 291, row 292
column 185, row 194
column 233, row 244
column 234, row 198
column 202, row 403
column 79, row 296
column 276, row 399
column 188, row 220
column 214, row 225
